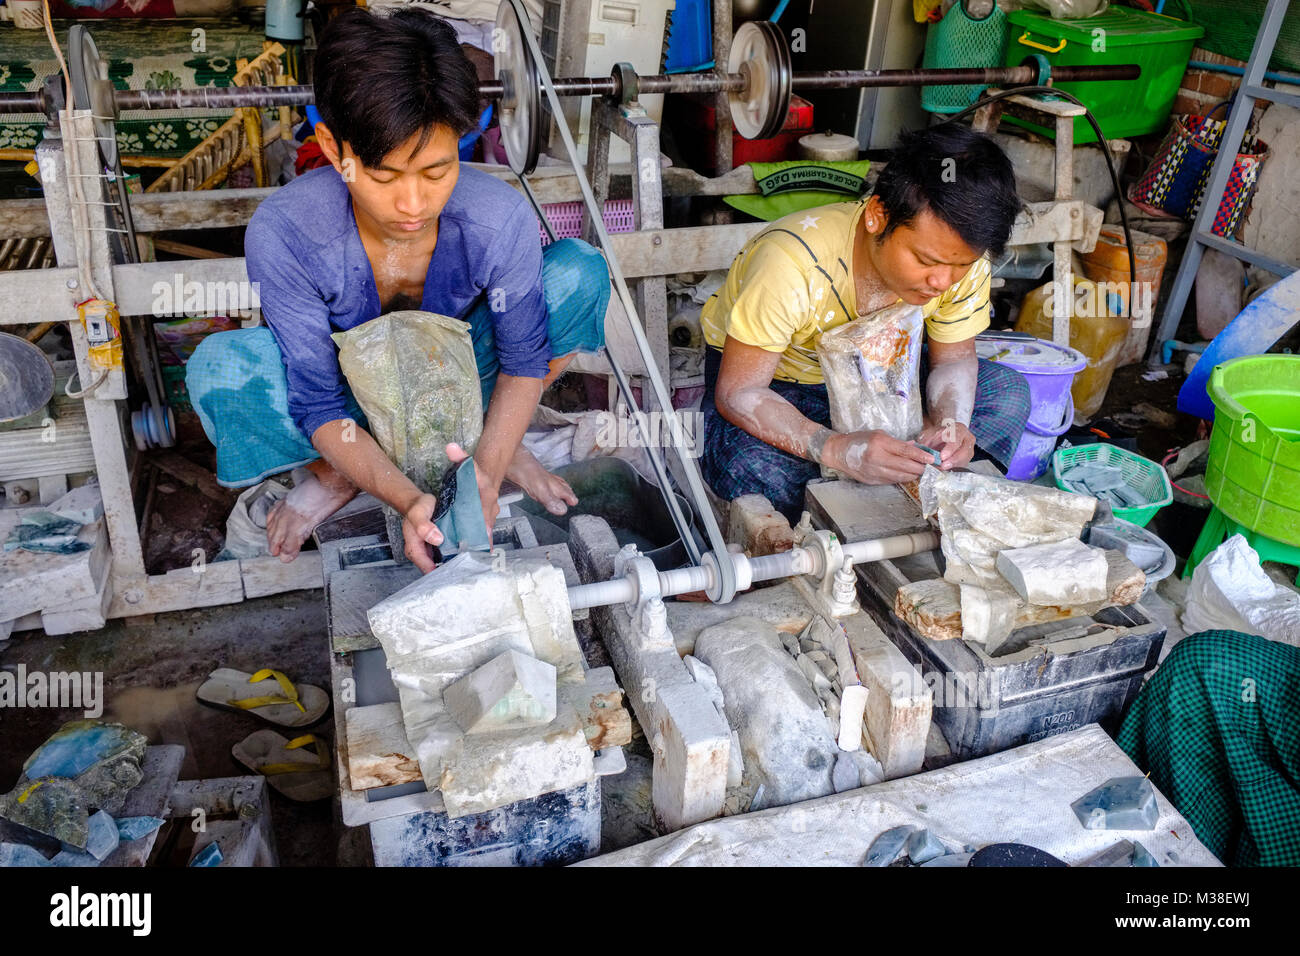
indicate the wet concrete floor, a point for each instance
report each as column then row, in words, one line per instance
column 151, row 669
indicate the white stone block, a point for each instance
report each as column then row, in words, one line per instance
column 1057, row 574
column 853, row 706
column 488, row 771
column 82, row 505
column 899, row 704
column 510, row 691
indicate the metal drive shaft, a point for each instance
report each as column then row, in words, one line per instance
column 765, row 568
column 269, row 96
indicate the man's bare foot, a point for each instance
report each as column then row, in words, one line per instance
column 322, row 492
column 550, row 491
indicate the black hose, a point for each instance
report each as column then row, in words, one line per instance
column 1105, row 149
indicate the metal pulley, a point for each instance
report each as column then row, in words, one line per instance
column 93, row 90
column 760, row 55
column 520, row 107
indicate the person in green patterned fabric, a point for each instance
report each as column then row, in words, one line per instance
column 1216, row 728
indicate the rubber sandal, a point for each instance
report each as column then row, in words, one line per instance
column 293, row 707
column 291, row 770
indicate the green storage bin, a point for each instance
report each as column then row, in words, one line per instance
column 1160, row 45
column 1253, row 472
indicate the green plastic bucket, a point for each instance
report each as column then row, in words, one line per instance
column 1160, row 45
column 1253, row 474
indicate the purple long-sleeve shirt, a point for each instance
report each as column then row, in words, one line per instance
column 314, row 278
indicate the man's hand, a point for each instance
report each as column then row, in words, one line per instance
column 488, row 488
column 875, row 458
column 952, row 440
column 419, row 531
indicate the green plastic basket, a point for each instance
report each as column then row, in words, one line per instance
column 1140, row 474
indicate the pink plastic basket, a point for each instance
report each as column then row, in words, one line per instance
column 566, row 218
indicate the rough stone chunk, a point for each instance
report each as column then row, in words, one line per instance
column 133, row 828
column 510, row 691
column 885, row 848
column 923, row 846
column 20, row 854
column 599, row 702
column 82, row 505
column 1062, row 573
column 786, row 744
column 846, row 776
column 101, row 838
column 758, row 527
column 1121, row 803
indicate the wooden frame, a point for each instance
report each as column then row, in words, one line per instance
column 50, row 295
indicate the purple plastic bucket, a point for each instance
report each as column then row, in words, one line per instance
column 1049, row 369
column 1033, row 455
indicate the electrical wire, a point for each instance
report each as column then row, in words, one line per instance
column 74, row 160
column 1105, row 149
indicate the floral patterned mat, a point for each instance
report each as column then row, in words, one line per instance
column 142, row 54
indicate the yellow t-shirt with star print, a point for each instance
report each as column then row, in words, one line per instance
column 792, row 282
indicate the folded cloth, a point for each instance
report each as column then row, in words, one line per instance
column 237, row 387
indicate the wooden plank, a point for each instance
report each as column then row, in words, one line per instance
column 646, row 253
column 269, row 575
column 933, row 607
column 217, row 582
column 153, row 212
column 186, row 472
column 30, row 452
column 236, row 815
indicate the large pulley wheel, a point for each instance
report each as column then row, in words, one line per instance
column 93, row 90
column 520, row 108
column 26, row 378
column 759, row 53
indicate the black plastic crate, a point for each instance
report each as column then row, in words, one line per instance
column 1049, row 678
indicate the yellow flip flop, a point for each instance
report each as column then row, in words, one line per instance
column 290, row 769
column 294, row 706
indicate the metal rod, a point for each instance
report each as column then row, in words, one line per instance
column 767, row 567
column 273, row 96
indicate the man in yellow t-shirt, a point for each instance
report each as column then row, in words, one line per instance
column 945, row 202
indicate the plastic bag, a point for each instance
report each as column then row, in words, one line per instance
column 1059, row 9
column 872, row 368
column 246, row 526
column 414, row 375
column 1231, row 592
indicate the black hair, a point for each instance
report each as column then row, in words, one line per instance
column 961, row 176
column 379, row 80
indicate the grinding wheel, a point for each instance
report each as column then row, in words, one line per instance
column 26, row 378
column 520, row 107
column 759, row 53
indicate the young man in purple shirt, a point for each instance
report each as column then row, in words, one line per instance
column 395, row 223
